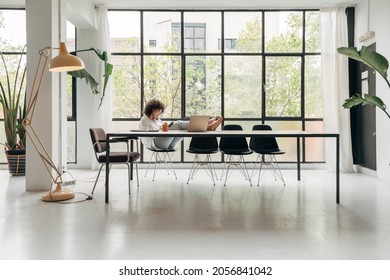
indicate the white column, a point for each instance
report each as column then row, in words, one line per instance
column 87, row 103
column 43, row 22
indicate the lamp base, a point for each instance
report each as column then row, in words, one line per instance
column 58, row 194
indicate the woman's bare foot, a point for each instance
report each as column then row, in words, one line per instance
column 211, row 120
column 214, row 125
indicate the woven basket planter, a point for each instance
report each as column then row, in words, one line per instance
column 16, row 162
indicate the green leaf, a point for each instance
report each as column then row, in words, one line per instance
column 369, row 57
column 375, row 100
column 375, row 60
column 108, row 67
column 353, row 101
column 367, row 99
column 83, row 74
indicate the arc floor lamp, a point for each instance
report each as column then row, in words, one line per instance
column 62, row 63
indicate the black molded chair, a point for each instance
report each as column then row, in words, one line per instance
column 128, row 157
column 203, row 146
column 234, row 147
column 160, row 157
column 267, row 148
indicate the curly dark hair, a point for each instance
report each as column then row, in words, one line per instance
column 153, row 104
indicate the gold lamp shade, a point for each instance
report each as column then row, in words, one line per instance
column 65, row 62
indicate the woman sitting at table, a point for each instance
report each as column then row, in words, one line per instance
column 151, row 121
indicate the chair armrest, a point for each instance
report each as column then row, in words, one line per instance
column 128, row 140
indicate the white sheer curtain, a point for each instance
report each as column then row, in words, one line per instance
column 105, row 111
column 335, row 87
column 104, row 114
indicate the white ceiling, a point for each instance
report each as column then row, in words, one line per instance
column 227, row 4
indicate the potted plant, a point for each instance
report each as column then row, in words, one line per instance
column 375, row 61
column 12, row 91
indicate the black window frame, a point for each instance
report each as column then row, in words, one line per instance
column 183, row 54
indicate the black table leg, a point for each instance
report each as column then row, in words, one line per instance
column 338, row 169
column 299, row 158
column 107, row 184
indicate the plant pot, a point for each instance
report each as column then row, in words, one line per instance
column 16, row 162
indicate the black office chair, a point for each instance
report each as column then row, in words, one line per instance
column 128, row 157
column 160, row 157
column 234, row 147
column 203, row 146
column 267, row 148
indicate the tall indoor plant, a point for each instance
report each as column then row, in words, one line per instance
column 12, row 91
column 375, row 61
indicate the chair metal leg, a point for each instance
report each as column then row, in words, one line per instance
column 160, row 158
column 192, row 171
column 199, row 163
column 245, row 170
column 260, row 169
column 170, row 164
column 213, row 168
column 150, row 160
column 274, row 166
column 129, row 174
column 228, row 160
column 277, row 170
column 136, row 170
column 97, row 178
column 223, row 169
column 241, row 165
column 210, row 167
column 255, row 165
column 156, row 159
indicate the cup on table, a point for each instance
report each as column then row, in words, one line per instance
column 165, row 127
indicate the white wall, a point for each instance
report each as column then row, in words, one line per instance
column 378, row 20
column 87, row 103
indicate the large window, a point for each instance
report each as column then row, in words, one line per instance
column 260, row 66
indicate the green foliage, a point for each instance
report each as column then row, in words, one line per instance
column 127, row 85
column 291, row 39
column 312, row 35
column 12, row 90
column 283, row 86
column 162, row 80
column 369, row 57
column 375, row 61
column 83, row 74
column 203, row 85
column 249, row 39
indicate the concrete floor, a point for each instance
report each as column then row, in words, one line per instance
column 168, row 219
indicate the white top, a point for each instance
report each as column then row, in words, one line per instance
column 148, row 124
